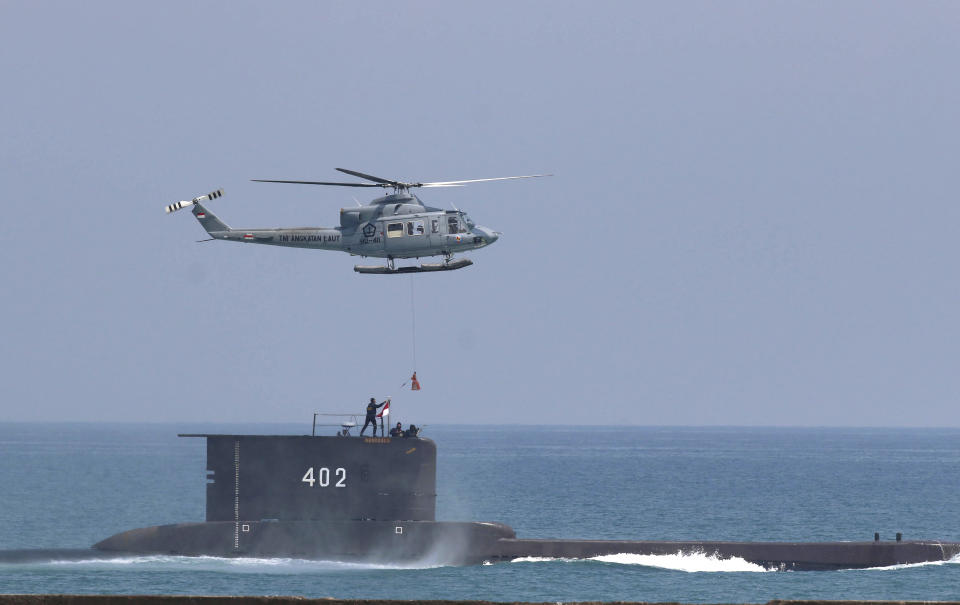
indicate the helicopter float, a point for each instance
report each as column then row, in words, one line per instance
column 397, row 225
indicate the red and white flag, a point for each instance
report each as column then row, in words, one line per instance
column 386, row 410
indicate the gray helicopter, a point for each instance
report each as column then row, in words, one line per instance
column 397, row 225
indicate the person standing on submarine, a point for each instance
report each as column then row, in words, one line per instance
column 372, row 408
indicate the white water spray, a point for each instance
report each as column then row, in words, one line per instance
column 689, row 562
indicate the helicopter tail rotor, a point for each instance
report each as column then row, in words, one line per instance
column 187, row 203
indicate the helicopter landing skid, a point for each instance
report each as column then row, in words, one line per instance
column 424, row 268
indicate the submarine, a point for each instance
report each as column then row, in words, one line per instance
column 373, row 499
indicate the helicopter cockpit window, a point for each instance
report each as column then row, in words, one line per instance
column 415, row 228
column 395, row 230
column 469, row 222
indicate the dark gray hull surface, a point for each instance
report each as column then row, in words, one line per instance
column 442, row 543
column 445, row 543
column 373, row 499
column 46, row 555
column 772, row 555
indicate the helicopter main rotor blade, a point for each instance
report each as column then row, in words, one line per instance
column 398, row 185
column 318, row 183
column 458, row 183
column 375, row 179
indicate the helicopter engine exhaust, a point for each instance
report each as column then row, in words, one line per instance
column 187, row 203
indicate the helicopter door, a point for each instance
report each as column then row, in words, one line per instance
column 393, row 242
column 406, row 238
column 414, row 237
column 434, row 237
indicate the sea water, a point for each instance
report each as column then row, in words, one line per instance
column 70, row 485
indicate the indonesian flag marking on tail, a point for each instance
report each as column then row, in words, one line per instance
column 386, row 410
column 247, row 236
column 201, row 215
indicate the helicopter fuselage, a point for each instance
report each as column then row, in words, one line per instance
column 393, row 226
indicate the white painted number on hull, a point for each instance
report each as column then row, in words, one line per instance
column 322, row 477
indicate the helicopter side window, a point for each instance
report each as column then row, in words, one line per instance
column 415, row 228
column 434, row 226
column 395, row 230
column 453, row 226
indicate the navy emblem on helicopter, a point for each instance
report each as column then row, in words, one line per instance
column 369, row 230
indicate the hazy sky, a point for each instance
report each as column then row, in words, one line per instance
column 753, row 220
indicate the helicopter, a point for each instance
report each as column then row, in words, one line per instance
column 397, row 225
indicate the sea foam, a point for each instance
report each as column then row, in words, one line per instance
column 689, row 562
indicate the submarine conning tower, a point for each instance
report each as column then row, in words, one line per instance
column 310, row 478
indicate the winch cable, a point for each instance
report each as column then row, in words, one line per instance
column 413, row 381
column 413, row 322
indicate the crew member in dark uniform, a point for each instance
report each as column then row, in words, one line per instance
column 397, row 431
column 372, row 408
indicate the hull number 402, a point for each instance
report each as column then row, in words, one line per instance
column 322, row 477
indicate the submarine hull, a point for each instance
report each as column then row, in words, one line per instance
column 451, row 543
column 799, row 556
column 373, row 499
column 400, row 542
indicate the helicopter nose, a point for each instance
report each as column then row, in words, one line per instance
column 490, row 236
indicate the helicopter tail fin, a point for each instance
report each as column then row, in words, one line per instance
column 208, row 220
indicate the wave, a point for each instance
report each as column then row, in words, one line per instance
column 279, row 565
column 689, row 562
column 952, row 561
